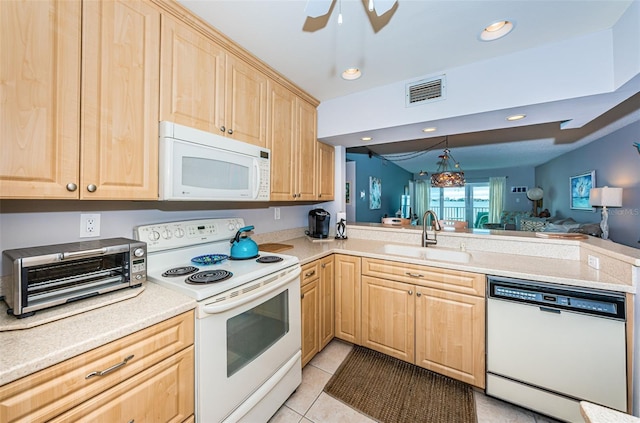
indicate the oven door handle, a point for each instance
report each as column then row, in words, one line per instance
column 263, row 390
column 260, row 292
column 84, row 253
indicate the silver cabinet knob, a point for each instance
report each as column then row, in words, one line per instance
column 223, row 129
column 91, row 188
column 410, row 292
column 418, row 294
column 71, row 187
column 230, row 131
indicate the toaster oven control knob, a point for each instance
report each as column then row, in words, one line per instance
column 138, row 252
column 154, row 236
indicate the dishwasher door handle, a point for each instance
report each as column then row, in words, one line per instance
column 550, row 310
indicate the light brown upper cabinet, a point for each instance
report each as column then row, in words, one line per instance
column 206, row 87
column 51, row 147
column 325, row 171
column 40, row 91
column 292, row 140
column 119, row 131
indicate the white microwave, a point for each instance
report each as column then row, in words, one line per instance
column 200, row 166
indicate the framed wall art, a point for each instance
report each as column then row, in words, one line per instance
column 375, row 193
column 579, row 187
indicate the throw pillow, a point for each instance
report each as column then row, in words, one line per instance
column 532, row 225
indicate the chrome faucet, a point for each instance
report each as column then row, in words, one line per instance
column 436, row 227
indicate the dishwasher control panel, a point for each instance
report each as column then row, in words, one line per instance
column 558, row 297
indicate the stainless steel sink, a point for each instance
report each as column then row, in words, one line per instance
column 428, row 253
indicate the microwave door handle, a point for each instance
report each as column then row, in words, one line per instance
column 84, row 253
column 256, row 169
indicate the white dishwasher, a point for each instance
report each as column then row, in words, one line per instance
column 551, row 346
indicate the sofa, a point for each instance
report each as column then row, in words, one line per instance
column 525, row 221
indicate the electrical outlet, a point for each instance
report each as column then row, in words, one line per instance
column 594, row 262
column 89, row 225
column 276, row 213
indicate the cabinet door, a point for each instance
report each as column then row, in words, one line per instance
column 246, row 102
column 40, row 96
column 327, row 306
column 192, row 78
column 387, row 317
column 281, row 141
column 305, row 162
column 450, row 334
column 119, row 120
column 310, row 312
column 163, row 393
column 325, row 171
column 347, row 298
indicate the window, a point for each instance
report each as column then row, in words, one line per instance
column 468, row 203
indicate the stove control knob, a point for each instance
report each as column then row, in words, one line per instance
column 231, row 225
column 154, row 236
column 166, row 234
column 138, row 252
column 179, row 233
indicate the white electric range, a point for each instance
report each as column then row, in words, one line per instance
column 247, row 347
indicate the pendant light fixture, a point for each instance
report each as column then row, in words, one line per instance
column 449, row 173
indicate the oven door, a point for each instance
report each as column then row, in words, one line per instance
column 248, row 343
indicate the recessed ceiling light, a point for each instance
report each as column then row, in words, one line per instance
column 366, row 138
column 496, row 30
column 431, row 129
column 351, row 74
column 516, row 117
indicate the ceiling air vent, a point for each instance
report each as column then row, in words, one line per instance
column 424, row 91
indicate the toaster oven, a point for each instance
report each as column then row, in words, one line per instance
column 51, row 275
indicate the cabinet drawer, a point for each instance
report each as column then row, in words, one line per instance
column 49, row 392
column 310, row 272
column 433, row 277
column 162, row 393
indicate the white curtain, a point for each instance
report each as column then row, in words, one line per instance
column 422, row 198
column 497, row 193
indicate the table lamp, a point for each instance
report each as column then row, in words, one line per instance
column 605, row 197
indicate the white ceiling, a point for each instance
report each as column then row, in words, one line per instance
column 413, row 39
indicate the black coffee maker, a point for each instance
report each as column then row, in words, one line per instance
column 319, row 223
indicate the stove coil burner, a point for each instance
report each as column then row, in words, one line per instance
column 209, row 276
column 180, row 271
column 269, row 259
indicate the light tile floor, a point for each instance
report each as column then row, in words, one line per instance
column 309, row 404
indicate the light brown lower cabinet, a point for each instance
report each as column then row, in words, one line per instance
column 146, row 376
column 317, row 306
column 431, row 317
column 310, row 311
column 348, row 298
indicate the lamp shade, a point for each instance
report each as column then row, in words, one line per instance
column 535, row 194
column 605, row 196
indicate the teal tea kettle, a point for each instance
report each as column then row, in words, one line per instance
column 242, row 246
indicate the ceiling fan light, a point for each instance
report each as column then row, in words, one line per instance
column 351, row 73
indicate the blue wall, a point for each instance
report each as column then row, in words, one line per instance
column 617, row 164
column 393, row 178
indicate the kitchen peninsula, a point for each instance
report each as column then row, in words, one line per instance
column 502, row 253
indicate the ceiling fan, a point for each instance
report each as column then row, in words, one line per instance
column 317, row 8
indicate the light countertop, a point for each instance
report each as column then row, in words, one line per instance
column 27, row 351
column 553, row 270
